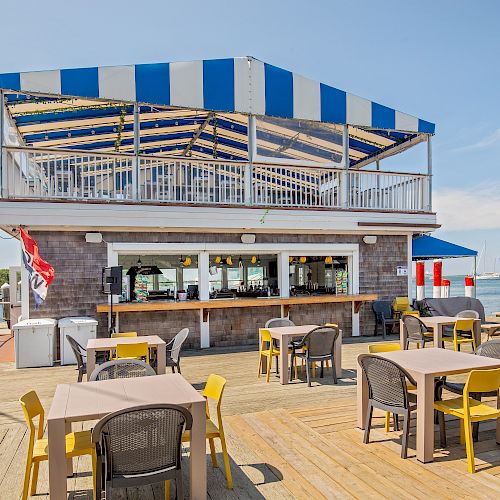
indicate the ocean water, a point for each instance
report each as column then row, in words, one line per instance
column 487, row 291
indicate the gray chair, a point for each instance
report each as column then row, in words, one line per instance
column 317, row 345
column 383, row 316
column 277, row 323
column 388, row 391
column 490, row 349
column 466, row 313
column 121, row 368
column 140, row 446
column 174, row 350
column 80, row 355
column 416, row 331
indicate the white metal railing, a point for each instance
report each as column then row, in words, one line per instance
column 79, row 175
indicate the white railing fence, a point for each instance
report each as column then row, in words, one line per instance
column 80, row 175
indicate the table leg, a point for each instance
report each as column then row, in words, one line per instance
column 477, row 333
column 69, row 461
column 402, row 335
column 57, row 452
column 438, row 335
column 90, row 362
column 425, row 417
column 285, row 340
column 161, row 359
column 498, row 423
column 197, row 459
column 362, row 397
column 263, row 366
column 338, row 355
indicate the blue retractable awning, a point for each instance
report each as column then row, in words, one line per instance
column 427, row 247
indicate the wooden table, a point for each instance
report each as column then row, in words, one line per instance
column 491, row 329
column 94, row 400
column 108, row 344
column 285, row 334
column 424, row 365
column 436, row 324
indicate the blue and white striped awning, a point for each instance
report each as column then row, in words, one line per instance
column 240, row 85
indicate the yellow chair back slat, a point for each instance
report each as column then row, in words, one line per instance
column 265, row 335
column 214, row 387
column 376, row 348
column 482, row 381
column 140, row 350
column 123, row 334
column 412, row 313
column 464, row 325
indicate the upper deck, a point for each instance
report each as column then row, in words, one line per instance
column 227, row 133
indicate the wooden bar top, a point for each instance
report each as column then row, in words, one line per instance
column 227, row 303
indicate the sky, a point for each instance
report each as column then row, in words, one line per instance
column 437, row 60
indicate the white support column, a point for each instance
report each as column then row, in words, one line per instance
column 25, row 294
column 429, row 174
column 252, row 153
column 284, row 274
column 410, row 269
column 344, row 185
column 3, row 165
column 204, row 291
column 353, row 270
column 136, row 173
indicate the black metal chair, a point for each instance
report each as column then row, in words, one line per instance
column 388, row 391
column 122, row 368
column 490, row 349
column 317, row 345
column 140, row 446
column 383, row 316
column 416, row 331
column 80, row 355
column 174, row 350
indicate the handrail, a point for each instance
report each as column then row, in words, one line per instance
column 130, row 156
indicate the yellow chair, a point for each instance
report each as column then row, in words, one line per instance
column 133, row 351
column 268, row 350
column 214, row 389
column 375, row 349
column 123, row 334
column 77, row 443
column 412, row 313
column 400, row 306
column 470, row 410
column 462, row 326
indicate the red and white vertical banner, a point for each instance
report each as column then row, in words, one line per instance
column 420, row 279
column 40, row 272
column 445, row 289
column 438, row 277
column 469, row 286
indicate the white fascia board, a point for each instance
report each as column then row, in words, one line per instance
column 190, row 218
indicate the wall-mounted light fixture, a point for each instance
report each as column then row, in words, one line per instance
column 248, row 238
column 370, row 240
column 93, row 237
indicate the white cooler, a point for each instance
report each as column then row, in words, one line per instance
column 81, row 329
column 35, row 342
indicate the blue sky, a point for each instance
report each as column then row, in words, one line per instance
column 434, row 59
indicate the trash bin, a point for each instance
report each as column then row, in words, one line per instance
column 81, row 329
column 35, row 342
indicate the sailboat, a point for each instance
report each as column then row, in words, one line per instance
column 487, row 275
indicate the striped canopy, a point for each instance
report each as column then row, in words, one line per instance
column 190, row 108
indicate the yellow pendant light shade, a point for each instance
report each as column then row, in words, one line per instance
column 328, row 259
column 229, row 260
column 187, row 262
column 218, row 259
column 290, row 260
column 254, row 259
column 303, row 260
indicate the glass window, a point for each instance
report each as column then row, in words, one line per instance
column 189, row 277
column 215, row 280
column 168, row 279
column 234, row 277
column 255, row 276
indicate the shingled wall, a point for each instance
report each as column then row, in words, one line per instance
column 75, row 290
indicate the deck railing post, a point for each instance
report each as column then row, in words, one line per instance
column 428, row 199
column 252, row 152
column 3, row 162
column 136, row 175
column 344, row 178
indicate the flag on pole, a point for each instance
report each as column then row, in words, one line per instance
column 40, row 272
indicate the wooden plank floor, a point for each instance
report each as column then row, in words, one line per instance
column 284, row 441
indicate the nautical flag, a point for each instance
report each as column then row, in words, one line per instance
column 40, row 272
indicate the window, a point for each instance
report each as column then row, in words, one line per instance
column 215, row 280
column 189, row 277
column 255, row 276
column 234, row 277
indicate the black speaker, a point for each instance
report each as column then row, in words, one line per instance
column 112, row 280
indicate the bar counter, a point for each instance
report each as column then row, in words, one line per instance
column 158, row 305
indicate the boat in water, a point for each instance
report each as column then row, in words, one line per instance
column 488, row 276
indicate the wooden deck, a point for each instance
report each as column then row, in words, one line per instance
column 284, row 441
